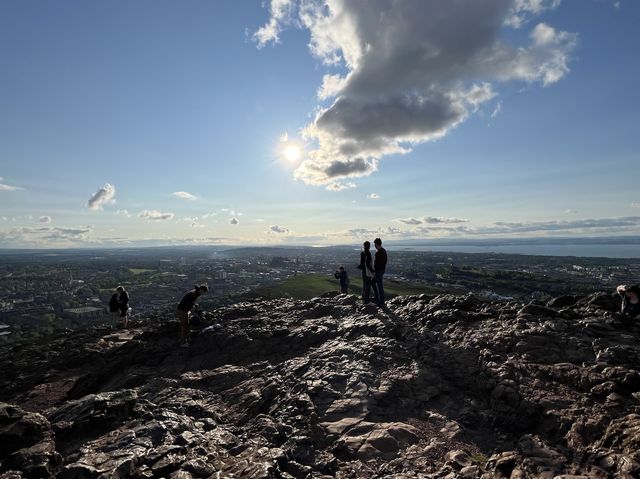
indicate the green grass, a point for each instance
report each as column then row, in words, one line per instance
column 310, row 286
column 140, row 270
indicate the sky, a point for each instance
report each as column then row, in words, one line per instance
column 317, row 122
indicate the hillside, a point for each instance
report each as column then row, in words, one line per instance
column 434, row 386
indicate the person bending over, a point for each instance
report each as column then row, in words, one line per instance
column 183, row 311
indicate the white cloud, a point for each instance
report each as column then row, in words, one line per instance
column 284, row 138
column 337, row 186
column 104, row 195
column 124, row 213
column 373, row 196
column 522, row 10
column 184, row 195
column 6, row 187
column 44, row 219
column 571, row 211
column 155, row 215
column 635, row 205
column 234, row 221
column 275, row 229
column 279, row 12
column 413, row 71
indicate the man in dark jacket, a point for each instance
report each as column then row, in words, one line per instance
column 123, row 300
column 379, row 265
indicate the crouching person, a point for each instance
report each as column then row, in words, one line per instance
column 630, row 302
column 183, row 312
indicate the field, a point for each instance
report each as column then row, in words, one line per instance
column 310, row 286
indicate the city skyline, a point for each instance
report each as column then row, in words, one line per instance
column 316, row 122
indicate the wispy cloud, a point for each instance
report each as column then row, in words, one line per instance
column 571, row 211
column 336, row 186
column 184, row 195
column 280, row 11
column 635, row 205
column 45, row 235
column 414, row 70
column 101, row 197
column 44, row 219
column 373, row 196
column 124, row 213
column 155, row 215
column 7, row 187
column 431, row 220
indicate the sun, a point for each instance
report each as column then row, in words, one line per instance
column 292, row 153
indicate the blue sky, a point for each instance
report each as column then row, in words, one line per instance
column 126, row 123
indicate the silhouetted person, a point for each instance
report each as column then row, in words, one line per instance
column 341, row 274
column 368, row 273
column 114, row 310
column 183, row 311
column 123, row 300
column 630, row 302
column 379, row 265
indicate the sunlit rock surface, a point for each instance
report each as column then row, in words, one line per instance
column 431, row 387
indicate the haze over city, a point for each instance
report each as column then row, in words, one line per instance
column 317, row 122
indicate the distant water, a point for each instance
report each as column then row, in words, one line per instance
column 584, row 250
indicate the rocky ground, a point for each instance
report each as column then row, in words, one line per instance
column 430, row 387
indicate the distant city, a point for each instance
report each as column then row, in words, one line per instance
column 45, row 291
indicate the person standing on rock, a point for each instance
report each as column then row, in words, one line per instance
column 368, row 273
column 114, row 310
column 379, row 265
column 341, row 274
column 183, row 311
column 630, row 301
column 123, row 301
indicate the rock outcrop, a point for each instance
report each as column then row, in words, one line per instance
column 430, row 387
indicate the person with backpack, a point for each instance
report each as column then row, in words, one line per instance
column 114, row 309
column 341, row 274
column 123, row 302
column 183, row 311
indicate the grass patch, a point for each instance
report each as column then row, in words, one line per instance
column 137, row 271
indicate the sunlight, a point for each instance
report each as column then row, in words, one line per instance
column 292, row 153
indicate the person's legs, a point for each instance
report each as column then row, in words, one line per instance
column 380, row 288
column 367, row 289
column 364, row 283
column 184, row 324
column 374, row 286
column 125, row 320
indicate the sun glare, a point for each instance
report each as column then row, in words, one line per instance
column 292, row 153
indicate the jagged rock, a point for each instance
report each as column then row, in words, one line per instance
column 429, row 387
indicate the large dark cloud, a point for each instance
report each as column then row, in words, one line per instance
column 413, row 70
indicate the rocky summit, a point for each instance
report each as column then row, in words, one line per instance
column 429, row 387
